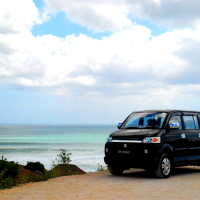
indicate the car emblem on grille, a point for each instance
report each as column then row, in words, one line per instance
column 125, row 145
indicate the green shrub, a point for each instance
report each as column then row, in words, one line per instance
column 12, row 169
column 32, row 166
column 100, row 167
column 7, row 182
column 63, row 157
column 9, row 172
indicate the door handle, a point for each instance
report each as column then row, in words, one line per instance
column 183, row 135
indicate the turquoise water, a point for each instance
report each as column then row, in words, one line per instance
column 22, row 143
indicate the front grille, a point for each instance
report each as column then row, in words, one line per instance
column 127, row 137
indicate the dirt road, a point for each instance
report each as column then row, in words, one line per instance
column 184, row 183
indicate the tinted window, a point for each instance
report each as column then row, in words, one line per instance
column 189, row 122
column 176, row 118
column 196, row 122
column 199, row 116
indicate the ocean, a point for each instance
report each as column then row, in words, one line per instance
column 22, row 143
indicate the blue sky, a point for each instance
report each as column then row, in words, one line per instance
column 59, row 25
column 94, row 62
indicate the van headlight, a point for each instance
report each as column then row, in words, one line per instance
column 151, row 140
column 109, row 139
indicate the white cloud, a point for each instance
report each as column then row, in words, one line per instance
column 18, row 16
column 128, row 63
column 96, row 15
column 102, row 15
column 130, row 60
column 171, row 13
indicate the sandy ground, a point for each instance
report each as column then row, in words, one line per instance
column 184, row 183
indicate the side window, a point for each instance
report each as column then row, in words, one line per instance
column 189, row 122
column 198, row 116
column 196, row 122
column 176, row 118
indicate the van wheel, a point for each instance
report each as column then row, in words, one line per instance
column 164, row 166
column 115, row 171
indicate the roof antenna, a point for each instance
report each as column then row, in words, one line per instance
column 139, row 104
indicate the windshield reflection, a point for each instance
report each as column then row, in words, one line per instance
column 144, row 120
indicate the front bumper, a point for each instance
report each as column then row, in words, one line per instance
column 144, row 156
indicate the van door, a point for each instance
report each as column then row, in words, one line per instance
column 191, row 126
column 178, row 140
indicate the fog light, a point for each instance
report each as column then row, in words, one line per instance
column 146, row 151
column 106, row 149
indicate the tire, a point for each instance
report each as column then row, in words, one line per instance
column 115, row 171
column 164, row 167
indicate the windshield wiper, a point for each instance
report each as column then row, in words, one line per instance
column 132, row 127
column 150, row 127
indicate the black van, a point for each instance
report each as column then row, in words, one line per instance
column 155, row 140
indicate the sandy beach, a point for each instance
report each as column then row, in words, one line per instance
column 133, row 184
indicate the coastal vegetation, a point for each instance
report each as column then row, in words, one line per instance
column 35, row 167
column 63, row 157
column 9, row 172
column 100, row 168
column 13, row 174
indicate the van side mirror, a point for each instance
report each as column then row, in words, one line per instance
column 174, row 125
column 118, row 126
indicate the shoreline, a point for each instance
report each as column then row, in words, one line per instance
column 42, row 143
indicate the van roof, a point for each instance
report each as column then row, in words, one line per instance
column 166, row 110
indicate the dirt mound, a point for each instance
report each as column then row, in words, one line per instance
column 26, row 175
column 69, row 169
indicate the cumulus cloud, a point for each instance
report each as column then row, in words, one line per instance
column 102, row 15
column 128, row 62
column 96, row 15
column 18, row 16
column 171, row 13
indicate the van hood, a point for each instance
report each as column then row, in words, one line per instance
column 134, row 134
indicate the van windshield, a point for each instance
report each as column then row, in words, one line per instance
column 144, row 120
